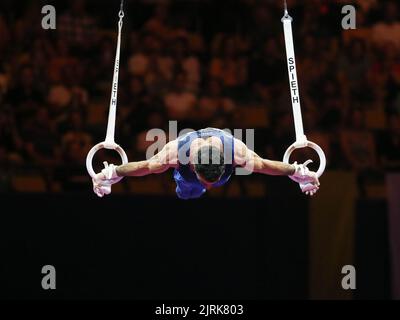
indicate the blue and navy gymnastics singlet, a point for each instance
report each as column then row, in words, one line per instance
column 187, row 184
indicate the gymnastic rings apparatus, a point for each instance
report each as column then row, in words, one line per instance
column 109, row 142
column 301, row 139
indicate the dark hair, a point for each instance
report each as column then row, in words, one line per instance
column 209, row 163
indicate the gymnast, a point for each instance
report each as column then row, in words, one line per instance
column 206, row 158
column 202, row 160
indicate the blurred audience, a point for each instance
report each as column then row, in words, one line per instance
column 55, row 85
column 77, row 28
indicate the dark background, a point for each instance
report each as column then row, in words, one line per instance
column 202, row 63
column 212, row 251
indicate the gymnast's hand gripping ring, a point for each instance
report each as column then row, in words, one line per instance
column 103, row 145
column 317, row 148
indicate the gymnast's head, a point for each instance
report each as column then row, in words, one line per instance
column 209, row 165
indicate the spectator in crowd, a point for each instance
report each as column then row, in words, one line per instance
column 140, row 106
column 27, row 27
column 229, row 66
column 179, row 102
column 330, row 110
column 388, row 29
column 353, row 66
column 60, row 60
column 5, row 34
column 186, row 63
column 158, row 23
column 40, row 139
column 266, row 66
column 10, row 138
column 25, row 96
column 358, row 144
column 106, row 59
column 78, row 28
column 138, row 62
column 3, row 83
column 5, row 172
column 390, row 144
column 76, row 142
column 43, row 55
column 215, row 108
column 392, row 65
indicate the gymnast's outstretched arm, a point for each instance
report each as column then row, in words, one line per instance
column 248, row 159
column 244, row 157
column 159, row 163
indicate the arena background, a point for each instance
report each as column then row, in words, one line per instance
column 201, row 63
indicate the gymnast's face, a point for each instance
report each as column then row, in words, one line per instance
column 207, row 184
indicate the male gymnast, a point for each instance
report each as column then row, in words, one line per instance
column 202, row 160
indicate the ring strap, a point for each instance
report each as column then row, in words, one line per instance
column 114, row 89
column 293, row 83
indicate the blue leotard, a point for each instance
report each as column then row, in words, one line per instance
column 187, row 184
